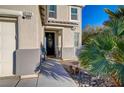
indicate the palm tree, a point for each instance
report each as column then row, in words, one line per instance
column 104, row 54
column 116, row 21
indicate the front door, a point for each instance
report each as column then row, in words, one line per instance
column 7, row 47
column 50, row 43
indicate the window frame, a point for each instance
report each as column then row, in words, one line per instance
column 70, row 16
column 52, row 12
column 76, row 39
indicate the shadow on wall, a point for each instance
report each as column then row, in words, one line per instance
column 52, row 68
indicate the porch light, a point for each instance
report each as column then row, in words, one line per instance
column 73, row 28
column 27, row 15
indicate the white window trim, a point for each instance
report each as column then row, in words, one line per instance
column 76, row 40
column 51, row 11
column 70, row 14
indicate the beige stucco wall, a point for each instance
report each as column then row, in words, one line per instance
column 68, row 37
column 69, row 50
column 64, row 14
column 29, row 31
column 68, row 33
column 29, row 39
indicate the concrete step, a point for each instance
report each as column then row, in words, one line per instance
column 28, row 82
column 9, row 81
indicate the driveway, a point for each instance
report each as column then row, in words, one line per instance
column 50, row 74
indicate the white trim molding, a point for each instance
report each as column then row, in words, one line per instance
column 10, row 12
column 23, row 14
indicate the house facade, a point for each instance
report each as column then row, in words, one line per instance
column 25, row 28
column 62, row 30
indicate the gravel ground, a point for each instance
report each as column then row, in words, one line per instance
column 87, row 80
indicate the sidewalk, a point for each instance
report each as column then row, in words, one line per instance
column 54, row 75
column 51, row 74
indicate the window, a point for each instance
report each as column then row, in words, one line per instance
column 76, row 39
column 74, row 14
column 52, row 11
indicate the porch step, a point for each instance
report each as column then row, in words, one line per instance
column 27, row 82
column 9, row 81
column 9, row 77
column 29, row 76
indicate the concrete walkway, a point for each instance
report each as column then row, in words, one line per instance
column 51, row 74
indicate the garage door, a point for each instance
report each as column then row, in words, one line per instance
column 7, row 47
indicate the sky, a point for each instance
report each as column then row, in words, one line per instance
column 94, row 15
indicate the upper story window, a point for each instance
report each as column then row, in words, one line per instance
column 74, row 13
column 52, row 11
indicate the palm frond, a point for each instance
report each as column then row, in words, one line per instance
column 119, row 72
column 116, row 25
column 111, row 14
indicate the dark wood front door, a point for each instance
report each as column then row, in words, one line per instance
column 50, row 43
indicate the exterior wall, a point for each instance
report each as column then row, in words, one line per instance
column 27, row 61
column 68, row 44
column 29, row 39
column 69, row 50
column 64, row 15
column 31, row 35
column 29, row 31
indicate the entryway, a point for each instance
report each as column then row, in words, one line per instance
column 7, row 47
column 50, row 43
column 53, row 42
